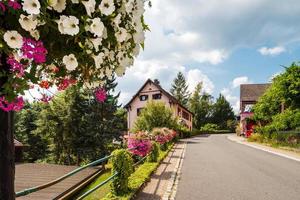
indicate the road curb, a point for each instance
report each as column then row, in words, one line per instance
column 173, row 182
column 263, row 149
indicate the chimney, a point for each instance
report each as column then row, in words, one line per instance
column 156, row 81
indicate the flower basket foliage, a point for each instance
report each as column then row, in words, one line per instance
column 57, row 43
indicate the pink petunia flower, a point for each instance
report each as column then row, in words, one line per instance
column 14, row 4
column 100, row 95
column 16, row 105
column 34, row 50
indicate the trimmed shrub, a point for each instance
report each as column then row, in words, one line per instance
column 209, row 127
column 122, row 164
column 153, row 156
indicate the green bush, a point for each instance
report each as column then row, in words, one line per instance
column 139, row 177
column 155, row 114
column 122, row 164
column 154, row 153
column 184, row 132
column 209, row 127
column 256, row 137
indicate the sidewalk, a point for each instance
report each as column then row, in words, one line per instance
column 280, row 152
column 163, row 181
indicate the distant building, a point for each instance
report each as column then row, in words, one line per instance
column 249, row 95
column 18, row 151
column 152, row 90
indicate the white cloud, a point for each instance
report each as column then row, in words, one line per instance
column 195, row 76
column 205, row 33
column 271, row 51
column 231, row 92
column 233, row 100
column 240, row 80
column 163, row 71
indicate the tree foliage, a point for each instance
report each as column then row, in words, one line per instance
column 179, row 89
column 284, row 90
column 201, row 105
column 222, row 112
column 76, row 126
column 36, row 144
column 155, row 114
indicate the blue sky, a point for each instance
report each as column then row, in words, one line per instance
column 221, row 43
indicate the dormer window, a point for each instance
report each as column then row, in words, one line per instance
column 143, row 97
column 156, row 96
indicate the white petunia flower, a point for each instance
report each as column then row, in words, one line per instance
column 117, row 20
column 96, row 27
column 31, row 6
column 28, row 23
column 107, row 7
column 136, row 50
column 120, row 71
column 139, row 37
column 90, row 6
column 60, row 24
column 75, row 1
column 109, row 73
column 121, row 35
column 70, row 25
column 13, row 39
column 98, row 59
column 59, row 6
column 129, row 6
column 96, row 43
column 70, row 62
column 139, row 8
column 35, row 34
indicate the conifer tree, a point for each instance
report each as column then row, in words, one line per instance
column 222, row 112
column 179, row 89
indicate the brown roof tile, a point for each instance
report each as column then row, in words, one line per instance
column 252, row 92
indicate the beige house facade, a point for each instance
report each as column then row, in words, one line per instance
column 152, row 90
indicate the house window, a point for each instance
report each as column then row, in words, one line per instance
column 138, row 111
column 143, row 97
column 179, row 111
column 156, row 96
column 185, row 115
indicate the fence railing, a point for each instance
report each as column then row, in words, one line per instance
column 106, row 181
column 46, row 185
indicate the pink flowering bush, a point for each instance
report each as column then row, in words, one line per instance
column 163, row 135
column 139, row 144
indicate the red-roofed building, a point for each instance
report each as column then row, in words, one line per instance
column 152, row 90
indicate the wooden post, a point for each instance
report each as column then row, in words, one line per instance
column 7, row 150
column 7, row 156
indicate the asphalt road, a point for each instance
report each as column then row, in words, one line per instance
column 216, row 168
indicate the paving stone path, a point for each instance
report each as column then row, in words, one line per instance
column 164, row 177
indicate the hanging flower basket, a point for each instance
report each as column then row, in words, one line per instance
column 55, row 44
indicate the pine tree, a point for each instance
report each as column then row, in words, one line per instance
column 24, row 132
column 222, row 112
column 179, row 89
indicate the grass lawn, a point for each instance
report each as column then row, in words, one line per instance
column 101, row 192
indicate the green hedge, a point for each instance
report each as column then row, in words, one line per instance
column 139, row 177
